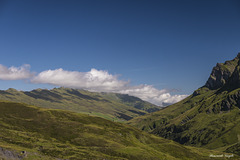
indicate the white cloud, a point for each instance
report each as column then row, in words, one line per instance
column 153, row 95
column 15, row 73
column 95, row 80
column 102, row 81
column 175, row 98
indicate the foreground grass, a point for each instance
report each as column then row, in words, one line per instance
column 50, row 134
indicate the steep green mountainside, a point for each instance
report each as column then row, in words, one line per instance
column 208, row 118
column 28, row 132
column 117, row 107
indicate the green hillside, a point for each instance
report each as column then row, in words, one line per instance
column 28, row 132
column 208, row 118
column 117, row 107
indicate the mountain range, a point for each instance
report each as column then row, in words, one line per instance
column 112, row 106
column 209, row 118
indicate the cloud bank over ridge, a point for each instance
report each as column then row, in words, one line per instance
column 94, row 80
column 102, row 81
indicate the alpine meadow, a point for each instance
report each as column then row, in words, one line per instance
column 119, row 80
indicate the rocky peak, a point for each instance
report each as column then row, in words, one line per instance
column 234, row 81
column 221, row 73
column 238, row 55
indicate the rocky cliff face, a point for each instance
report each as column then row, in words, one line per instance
column 221, row 73
column 226, row 77
column 231, row 100
column 234, row 80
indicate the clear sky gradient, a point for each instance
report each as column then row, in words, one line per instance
column 170, row 44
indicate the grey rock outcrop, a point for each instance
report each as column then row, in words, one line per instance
column 11, row 155
column 221, row 73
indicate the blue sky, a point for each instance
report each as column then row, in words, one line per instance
column 171, row 45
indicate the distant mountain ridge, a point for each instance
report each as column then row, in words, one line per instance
column 208, row 118
column 111, row 106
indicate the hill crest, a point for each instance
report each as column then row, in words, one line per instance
column 209, row 118
column 113, row 106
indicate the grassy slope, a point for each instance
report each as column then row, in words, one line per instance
column 196, row 121
column 107, row 105
column 46, row 133
column 202, row 119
